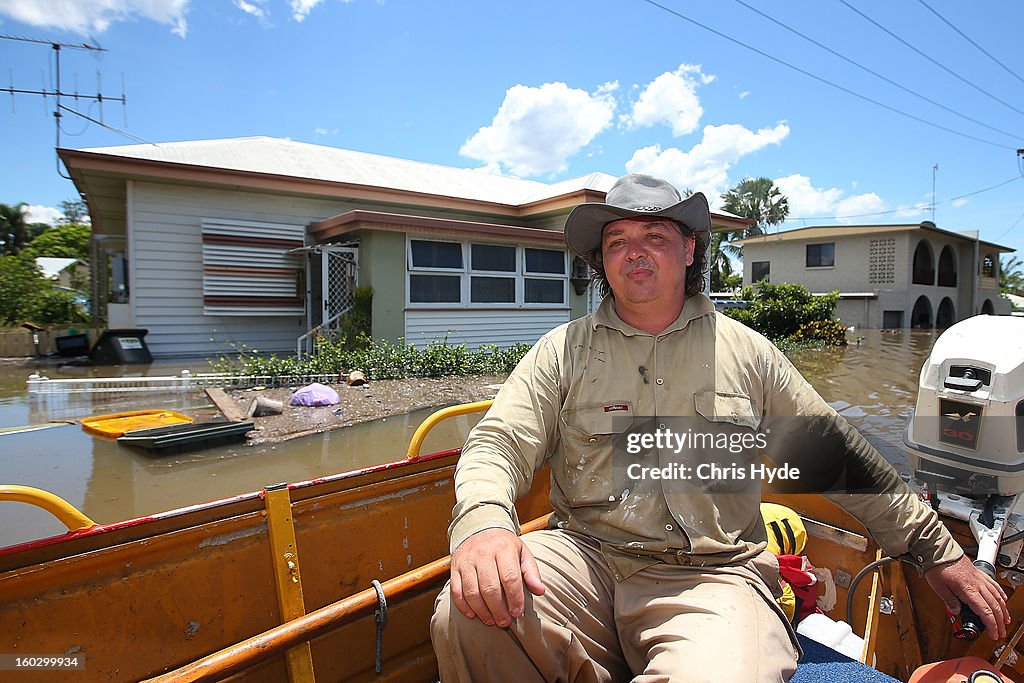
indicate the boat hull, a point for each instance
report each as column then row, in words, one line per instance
column 144, row 597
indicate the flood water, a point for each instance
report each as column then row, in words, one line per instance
column 873, row 385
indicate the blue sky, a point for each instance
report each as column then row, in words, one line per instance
column 553, row 89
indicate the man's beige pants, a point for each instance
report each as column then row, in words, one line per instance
column 664, row 623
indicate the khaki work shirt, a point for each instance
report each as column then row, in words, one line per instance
column 575, row 394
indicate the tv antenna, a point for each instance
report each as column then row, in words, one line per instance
column 60, row 95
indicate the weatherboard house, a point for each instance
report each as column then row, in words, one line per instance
column 888, row 276
column 215, row 245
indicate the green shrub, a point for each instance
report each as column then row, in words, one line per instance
column 790, row 315
column 356, row 326
column 379, row 359
column 778, row 311
column 829, row 332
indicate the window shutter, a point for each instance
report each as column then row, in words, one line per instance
column 248, row 270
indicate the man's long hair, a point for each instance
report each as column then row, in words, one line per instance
column 694, row 272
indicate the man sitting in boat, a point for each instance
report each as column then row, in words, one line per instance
column 647, row 580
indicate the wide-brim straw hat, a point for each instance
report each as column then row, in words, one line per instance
column 636, row 196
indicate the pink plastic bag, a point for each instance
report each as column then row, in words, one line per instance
column 314, row 395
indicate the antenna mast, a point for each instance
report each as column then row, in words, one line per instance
column 57, row 93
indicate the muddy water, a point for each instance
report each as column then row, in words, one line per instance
column 873, row 384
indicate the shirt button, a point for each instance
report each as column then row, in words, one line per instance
column 593, row 439
column 660, row 381
column 661, row 426
column 668, row 527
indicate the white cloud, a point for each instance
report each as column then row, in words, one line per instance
column 256, row 8
column 744, row 95
column 95, row 16
column 323, row 131
column 302, row 8
column 671, row 99
column 957, row 203
column 36, row 213
column 536, row 130
column 917, row 211
column 705, row 167
column 808, row 201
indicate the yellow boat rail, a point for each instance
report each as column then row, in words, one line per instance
column 439, row 416
column 70, row 516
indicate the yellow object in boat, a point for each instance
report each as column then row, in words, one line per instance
column 116, row 424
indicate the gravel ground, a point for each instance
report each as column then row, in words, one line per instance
column 372, row 401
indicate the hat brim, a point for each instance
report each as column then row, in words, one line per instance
column 586, row 222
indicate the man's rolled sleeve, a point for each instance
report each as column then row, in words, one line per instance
column 904, row 527
column 507, row 446
column 899, row 521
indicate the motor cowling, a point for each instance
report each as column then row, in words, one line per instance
column 967, row 431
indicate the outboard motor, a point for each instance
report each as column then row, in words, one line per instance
column 966, row 438
column 965, row 435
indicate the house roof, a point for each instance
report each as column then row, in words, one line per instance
column 814, row 233
column 280, row 156
column 52, row 266
column 290, row 166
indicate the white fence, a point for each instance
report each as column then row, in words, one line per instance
column 186, row 381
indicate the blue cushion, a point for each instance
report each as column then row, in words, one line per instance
column 822, row 663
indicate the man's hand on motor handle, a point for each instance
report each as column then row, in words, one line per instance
column 962, row 581
column 489, row 572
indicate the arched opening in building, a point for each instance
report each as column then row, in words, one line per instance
column 924, row 270
column 988, row 266
column 922, row 313
column 946, row 315
column 947, row 268
column 987, row 308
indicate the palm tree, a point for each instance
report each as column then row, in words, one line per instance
column 1011, row 279
column 759, row 200
column 754, row 198
column 13, row 229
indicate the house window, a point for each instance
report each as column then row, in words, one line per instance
column 490, row 260
column 492, row 290
column 760, row 270
column 821, row 255
column 250, row 268
column 435, row 256
column 467, row 274
column 544, row 290
column 988, row 266
column 493, row 257
column 435, row 289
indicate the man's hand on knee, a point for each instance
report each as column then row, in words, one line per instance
column 489, row 571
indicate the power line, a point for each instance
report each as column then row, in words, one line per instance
column 918, row 207
column 933, row 61
column 1009, row 229
column 128, row 135
column 965, row 37
column 875, row 73
column 821, row 79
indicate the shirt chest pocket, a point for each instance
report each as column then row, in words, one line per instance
column 590, row 436
column 730, row 443
column 726, row 409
